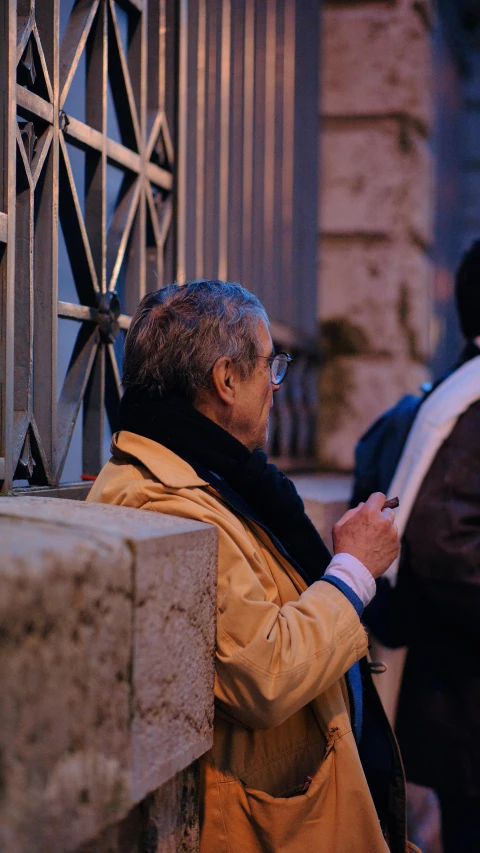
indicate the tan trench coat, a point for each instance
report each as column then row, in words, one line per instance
column 282, row 710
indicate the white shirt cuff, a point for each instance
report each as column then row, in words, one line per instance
column 351, row 571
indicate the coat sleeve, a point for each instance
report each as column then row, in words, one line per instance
column 271, row 660
column 443, row 532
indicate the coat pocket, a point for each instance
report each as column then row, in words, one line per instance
column 291, row 823
column 335, row 815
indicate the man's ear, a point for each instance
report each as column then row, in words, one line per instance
column 224, row 376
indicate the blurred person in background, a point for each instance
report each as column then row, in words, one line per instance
column 303, row 757
column 435, row 606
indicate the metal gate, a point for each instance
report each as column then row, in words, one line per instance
column 145, row 143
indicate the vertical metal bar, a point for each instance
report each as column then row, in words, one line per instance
column 248, row 131
column 162, row 31
column 96, row 223
column 96, row 163
column 23, row 373
column 305, row 181
column 8, row 124
column 200, row 140
column 45, row 289
column 45, row 275
column 269, row 152
column 235, row 248
column 138, row 249
column 211, row 211
column 182, row 142
column 288, row 158
column 161, row 107
column 223, row 190
column 258, row 241
column 113, row 388
column 141, row 223
column 94, row 416
column 156, row 36
column 135, row 260
column 276, row 283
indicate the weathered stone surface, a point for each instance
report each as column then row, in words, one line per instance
column 65, row 612
column 419, row 206
column 145, row 701
column 416, row 301
column 377, row 61
column 179, row 797
column 375, row 298
column 165, row 822
column 353, row 392
column 173, row 655
column 363, row 184
column 376, row 180
column 376, row 213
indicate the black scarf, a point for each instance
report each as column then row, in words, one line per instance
column 245, row 479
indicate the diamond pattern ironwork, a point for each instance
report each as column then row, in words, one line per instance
column 113, row 256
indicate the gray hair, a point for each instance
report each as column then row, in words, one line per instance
column 178, row 333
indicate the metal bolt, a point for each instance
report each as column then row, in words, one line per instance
column 108, row 312
column 63, row 120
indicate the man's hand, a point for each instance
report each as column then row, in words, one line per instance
column 368, row 534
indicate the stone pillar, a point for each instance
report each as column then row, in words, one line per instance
column 106, row 665
column 376, row 214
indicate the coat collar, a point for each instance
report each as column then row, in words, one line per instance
column 165, row 465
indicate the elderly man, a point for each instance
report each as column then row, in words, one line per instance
column 303, row 759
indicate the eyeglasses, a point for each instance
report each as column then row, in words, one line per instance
column 278, row 365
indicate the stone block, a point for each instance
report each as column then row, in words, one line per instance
column 326, row 498
column 173, row 664
column 165, row 637
column 362, row 178
column 353, row 392
column 66, row 643
column 165, row 822
column 420, row 204
column 376, row 180
column 376, row 61
column 374, row 297
column 415, row 303
column 359, row 288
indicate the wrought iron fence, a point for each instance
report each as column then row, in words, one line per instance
column 140, row 144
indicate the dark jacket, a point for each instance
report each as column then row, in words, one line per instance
column 438, row 720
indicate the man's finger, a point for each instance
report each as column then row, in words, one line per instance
column 389, row 514
column 376, row 500
column 349, row 514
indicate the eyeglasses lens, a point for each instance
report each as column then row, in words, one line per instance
column 279, row 369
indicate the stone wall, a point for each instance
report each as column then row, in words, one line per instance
column 107, row 621
column 376, row 214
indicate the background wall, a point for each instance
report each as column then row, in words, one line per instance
column 376, row 214
column 399, row 203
